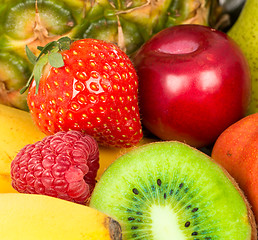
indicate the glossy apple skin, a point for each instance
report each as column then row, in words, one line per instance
column 194, row 82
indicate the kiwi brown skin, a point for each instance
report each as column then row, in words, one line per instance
column 247, row 217
column 251, row 218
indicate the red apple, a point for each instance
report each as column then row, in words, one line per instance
column 194, row 82
column 236, row 149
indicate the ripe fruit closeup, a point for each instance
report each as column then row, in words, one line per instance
column 89, row 86
column 194, row 82
column 63, row 165
column 127, row 23
column 168, row 190
column 32, row 216
column 236, row 149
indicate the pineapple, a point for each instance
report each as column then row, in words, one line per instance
column 128, row 23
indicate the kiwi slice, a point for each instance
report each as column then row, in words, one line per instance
column 168, row 190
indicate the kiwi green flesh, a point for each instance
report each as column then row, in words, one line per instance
column 168, row 190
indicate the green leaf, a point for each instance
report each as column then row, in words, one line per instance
column 48, row 53
column 64, row 43
column 47, row 48
column 23, row 90
column 37, row 71
column 64, row 39
column 55, row 59
column 32, row 58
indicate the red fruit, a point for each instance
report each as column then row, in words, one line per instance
column 95, row 92
column 236, row 149
column 194, row 82
column 63, row 165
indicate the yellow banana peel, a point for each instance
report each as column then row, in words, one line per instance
column 32, row 216
column 17, row 130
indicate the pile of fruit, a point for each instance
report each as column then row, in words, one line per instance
column 128, row 120
column 127, row 23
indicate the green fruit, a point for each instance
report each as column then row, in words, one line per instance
column 131, row 23
column 32, row 23
column 245, row 33
column 127, row 23
column 14, row 72
column 168, row 190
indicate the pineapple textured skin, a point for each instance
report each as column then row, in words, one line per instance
column 127, row 23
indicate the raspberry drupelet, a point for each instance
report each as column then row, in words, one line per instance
column 63, row 165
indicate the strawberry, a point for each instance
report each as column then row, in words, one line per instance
column 89, row 85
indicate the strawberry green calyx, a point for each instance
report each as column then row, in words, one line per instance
column 126, row 23
column 50, row 53
column 92, row 88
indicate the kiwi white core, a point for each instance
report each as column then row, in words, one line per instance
column 165, row 224
column 169, row 190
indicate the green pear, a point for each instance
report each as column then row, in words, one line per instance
column 245, row 33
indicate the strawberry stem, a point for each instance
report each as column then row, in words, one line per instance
column 50, row 53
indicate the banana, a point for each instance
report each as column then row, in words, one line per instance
column 32, row 216
column 17, row 130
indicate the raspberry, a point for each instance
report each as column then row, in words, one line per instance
column 63, row 165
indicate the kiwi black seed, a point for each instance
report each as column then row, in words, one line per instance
column 168, row 190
